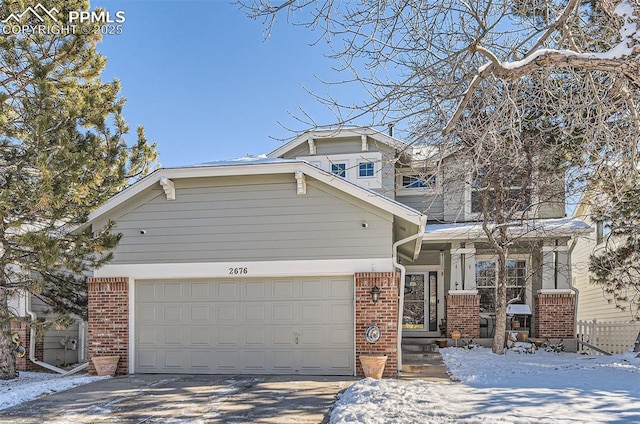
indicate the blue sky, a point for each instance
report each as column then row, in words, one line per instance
column 206, row 85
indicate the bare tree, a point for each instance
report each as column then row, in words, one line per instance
column 516, row 87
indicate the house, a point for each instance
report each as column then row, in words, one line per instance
column 603, row 322
column 282, row 264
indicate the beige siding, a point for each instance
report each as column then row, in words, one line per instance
column 251, row 218
column 592, row 303
column 431, row 205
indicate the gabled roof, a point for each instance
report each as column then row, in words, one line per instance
column 263, row 166
column 329, row 133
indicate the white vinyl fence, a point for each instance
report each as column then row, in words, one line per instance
column 613, row 337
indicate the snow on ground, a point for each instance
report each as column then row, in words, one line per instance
column 512, row 388
column 31, row 385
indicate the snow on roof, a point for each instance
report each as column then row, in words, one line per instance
column 536, row 227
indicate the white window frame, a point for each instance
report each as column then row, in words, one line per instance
column 352, row 161
column 528, row 292
column 402, row 190
column 342, row 171
column 366, row 162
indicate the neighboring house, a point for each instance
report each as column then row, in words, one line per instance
column 270, row 266
column 603, row 322
column 58, row 348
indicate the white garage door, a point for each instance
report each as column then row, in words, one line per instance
column 262, row 326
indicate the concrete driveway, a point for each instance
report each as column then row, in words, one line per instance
column 157, row 398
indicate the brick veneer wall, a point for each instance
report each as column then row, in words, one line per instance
column 463, row 315
column 109, row 320
column 555, row 315
column 383, row 314
column 23, row 330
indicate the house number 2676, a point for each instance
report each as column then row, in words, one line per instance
column 238, row 271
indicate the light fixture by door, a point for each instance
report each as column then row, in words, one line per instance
column 375, row 293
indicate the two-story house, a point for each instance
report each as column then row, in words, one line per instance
column 282, row 264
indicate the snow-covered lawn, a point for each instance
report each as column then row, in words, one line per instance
column 513, row 388
column 30, row 385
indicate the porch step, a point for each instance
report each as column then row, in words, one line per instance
column 413, row 347
column 425, row 366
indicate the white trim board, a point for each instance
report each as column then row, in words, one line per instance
column 254, row 269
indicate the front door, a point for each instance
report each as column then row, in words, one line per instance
column 421, row 301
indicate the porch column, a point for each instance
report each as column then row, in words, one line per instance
column 556, row 266
column 383, row 314
column 463, row 313
column 109, row 320
column 555, row 314
column 463, row 267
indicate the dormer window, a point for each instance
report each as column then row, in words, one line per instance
column 340, row 169
column 365, row 169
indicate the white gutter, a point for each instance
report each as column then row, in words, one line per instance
column 32, row 346
column 403, row 272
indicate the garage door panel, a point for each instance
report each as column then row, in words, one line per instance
column 256, row 336
column 282, row 289
column 146, row 359
column 311, row 312
column 340, row 336
column 228, row 337
column 282, row 312
column 254, row 312
column 171, row 313
column 173, row 336
column 227, row 312
column 147, row 313
column 283, row 336
column 312, row 289
column 340, row 289
column 340, row 312
column 199, row 292
column 201, row 359
column 199, row 336
column 255, row 290
column 297, row 325
column 283, row 361
column 227, row 291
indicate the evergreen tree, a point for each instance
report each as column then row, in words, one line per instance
column 62, row 154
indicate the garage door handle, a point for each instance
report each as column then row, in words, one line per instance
column 297, row 337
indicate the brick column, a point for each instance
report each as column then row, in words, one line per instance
column 555, row 315
column 463, row 314
column 23, row 330
column 383, row 314
column 109, row 320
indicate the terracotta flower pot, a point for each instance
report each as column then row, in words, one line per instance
column 442, row 342
column 106, row 365
column 373, row 365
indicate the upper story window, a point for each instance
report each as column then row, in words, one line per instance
column 340, row 169
column 517, row 196
column 365, row 169
column 418, row 181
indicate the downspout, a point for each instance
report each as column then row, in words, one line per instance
column 32, row 346
column 403, row 272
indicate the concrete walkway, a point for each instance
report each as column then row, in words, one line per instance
column 187, row 399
